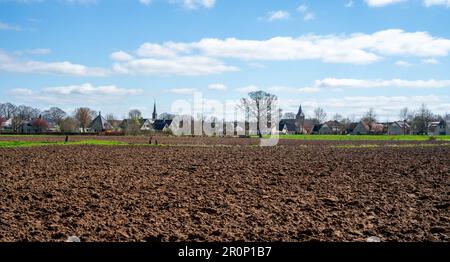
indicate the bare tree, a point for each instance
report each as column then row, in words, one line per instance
column 84, row 117
column 112, row 120
column 337, row 117
column 135, row 114
column 319, row 115
column 404, row 114
column 55, row 115
column 346, row 123
column 421, row 119
column 134, row 123
column 289, row 115
column 7, row 110
column 68, row 125
column 370, row 116
column 110, row 117
column 260, row 105
column 166, row 116
column 26, row 112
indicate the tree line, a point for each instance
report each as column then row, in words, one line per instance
column 259, row 106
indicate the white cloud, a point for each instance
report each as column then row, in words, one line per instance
column 248, row 89
column 305, row 11
column 194, row 4
column 121, row 56
column 202, row 57
column 308, row 16
column 286, row 48
column 430, row 61
column 9, row 27
column 285, row 89
column 356, row 49
column 145, row 2
column 381, row 3
column 378, row 83
column 277, row 15
column 402, row 63
column 185, row 65
column 349, row 4
column 37, row 51
column 220, row 87
column 181, row 91
column 12, row 64
column 169, row 49
column 81, row 94
column 256, row 65
column 437, row 2
column 89, row 89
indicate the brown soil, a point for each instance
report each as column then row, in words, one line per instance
column 283, row 193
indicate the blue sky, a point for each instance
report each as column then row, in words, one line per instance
column 113, row 56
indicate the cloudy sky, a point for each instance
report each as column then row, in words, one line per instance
column 345, row 56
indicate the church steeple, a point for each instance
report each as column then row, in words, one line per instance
column 300, row 113
column 154, row 115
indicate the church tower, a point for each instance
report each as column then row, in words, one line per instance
column 300, row 120
column 154, row 115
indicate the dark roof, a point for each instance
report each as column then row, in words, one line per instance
column 352, row 126
column 100, row 124
column 317, row 127
column 333, row 123
column 300, row 112
column 289, row 123
column 159, row 124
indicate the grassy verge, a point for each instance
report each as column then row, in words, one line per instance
column 392, row 146
column 365, row 137
column 12, row 144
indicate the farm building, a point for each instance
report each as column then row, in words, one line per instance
column 299, row 125
column 161, row 125
column 99, row 124
column 364, row 128
column 331, row 128
column 399, row 128
column 438, row 128
column 349, row 129
column 288, row 126
column 316, row 129
column 25, row 127
column 7, row 125
column 144, row 124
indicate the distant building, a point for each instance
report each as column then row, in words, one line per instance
column 99, row 124
column 299, row 125
column 162, row 125
column 399, row 128
column 365, row 128
column 7, row 125
column 348, row 129
column 438, row 128
column 331, row 128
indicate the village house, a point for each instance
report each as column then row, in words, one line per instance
column 99, row 124
column 7, row 125
column 331, row 128
column 398, row 128
column 299, row 125
column 316, row 129
column 365, row 128
column 439, row 128
column 161, row 125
